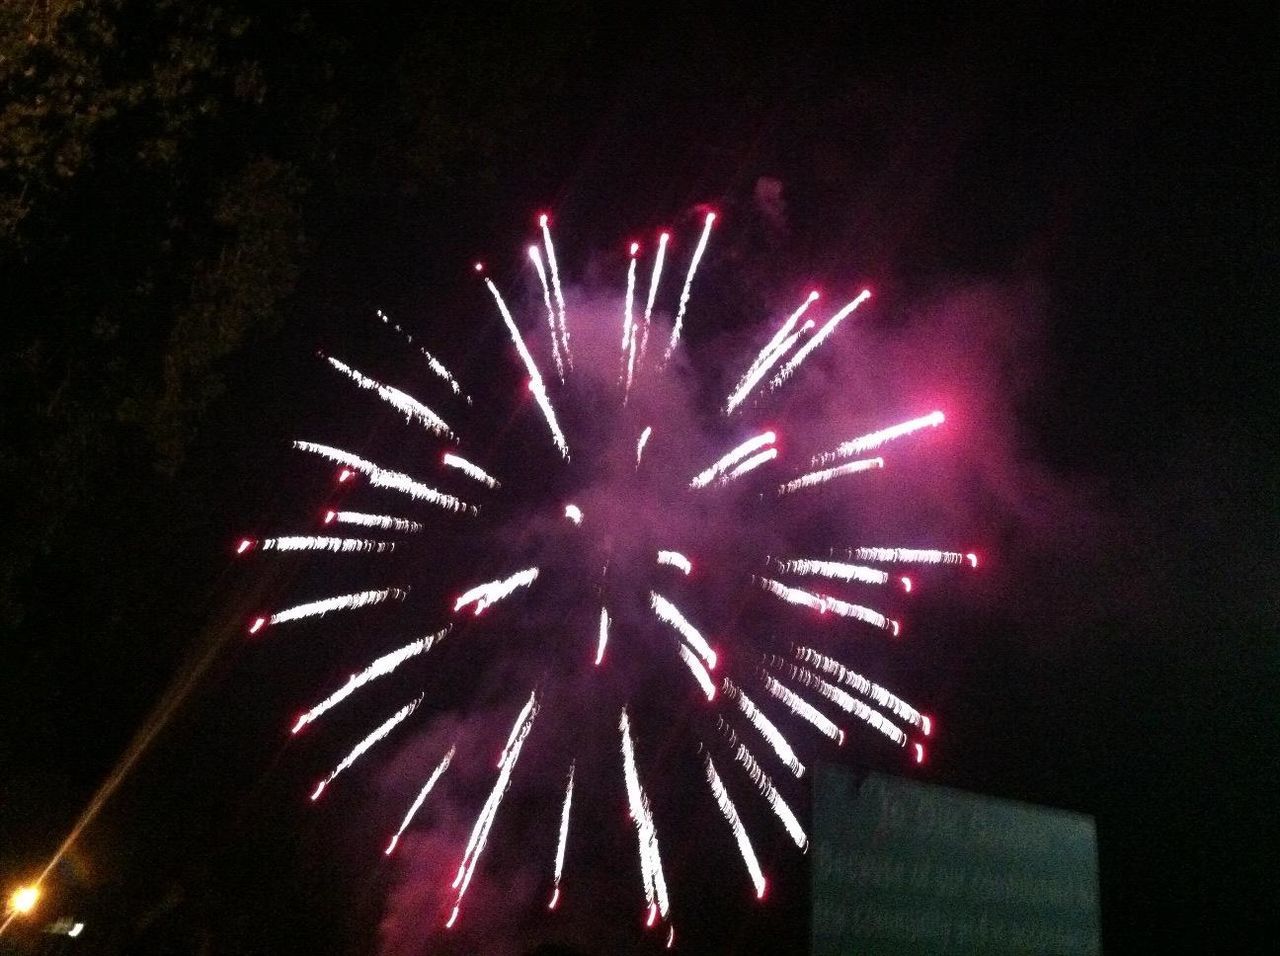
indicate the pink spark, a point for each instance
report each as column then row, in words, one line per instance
column 392, row 845
column 245, row 545
column 906, row 584
column 919, row 753
column 344, row 475
column 555, row 899
column 315, row 794
column 653, row 916
column 972, row 559
column 258, row 624
column 329, row 516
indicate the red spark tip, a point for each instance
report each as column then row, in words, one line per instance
column 671, row 937
column 653, row 916
column 543, row 219
column 330, row 517
column 906, row 584
column 344, row 475
column 555, row 899
column 258, row 624
column 814, row 295
column 478, row 267
column 392, row 845
column 972, row 559
column 453, row 918
column 919, row 753
column 315, row 795
column 764, row 885
column 635, row 247
column 664, row 237
column 928, row 724
column 840, row 743
column 244, row 545
column 897, row 627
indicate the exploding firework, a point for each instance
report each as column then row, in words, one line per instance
column 633, row 578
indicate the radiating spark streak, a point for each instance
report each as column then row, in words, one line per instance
column 823, row 603
column 832, row 569
column 480, row 832
column 644, row 440
column 555, row 285
column 698, row 671
column 866, row 688
column 765, row 726
column 856, row 446
column 564, row 835
column 306, row 542
column 491, row 592
column 655, row 883
column 676, row 560
column 776, row 347
column 845, row 702
column 378, row 668
column 669, row 613
column 814, row 478
column 822, row 334
column 384, row 522
column 629, row 329
column 771, row 795
column 915, row 556
column 471, row 471
column 421, row 798
column 653, row 289
column 536, row 257
column 573, row 513
column 688, row 285
column 735, row 824
column 382, row 478
column 604, row 636
column 406, row 404
column 752, row 463
column 361, row 748
column 343, row 602
column 735, row 455
column 432, row 362
column 535, row 377
column 803, row 709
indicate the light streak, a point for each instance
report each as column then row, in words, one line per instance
column 421, row 798
column 735, row 824
column 830, row 326
column 629, row 329
column 832, row 569
column 698, row 671
column 765, row 726
column 644, row 440
column 564, row 835
column 731, row 458
column 361, row 748
column 471, row 471
column 306, row 542
column 535, row 377
column 383, row 478
column 676, row 560
column 856, row 446
column 410, row 407
column 815, row 478
column 771, row 795
column 384, row 522
column 846, row 703
column 342, row 602
column 752, row 463
column 663, row 239
column 432, row 362
column 380, row 667
column 803, row 709
column 491, row 592
column 823, row 604
column 604, row 636
column 777, row 346
column 536, row 257
column 866, row 688
column 914, row 556
column 655, row 882
column 669, row 613
column 555, row 286
column 688, row 285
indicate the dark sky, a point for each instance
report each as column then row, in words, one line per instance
column 1069, row 222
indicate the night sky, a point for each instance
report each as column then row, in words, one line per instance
column 1069, row 222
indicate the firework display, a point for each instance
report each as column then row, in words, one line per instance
column 641, row 629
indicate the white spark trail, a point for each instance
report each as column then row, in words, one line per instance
column 731, row 458
column 421, row 798
column 491, row 592
column 536, row 257
column 698, row 671
column 765, row 726
column 361, row 748
column 847, row 703
column 823, row 333
column 555, row 285
column 342, row 602
column 378, row 668
column 383, row 478
column 882, row 697
column 676, row 560
column 383, row 522
column 433, row 363
column 815, row 478
column 406, row 404
column 644, row 440
column 669, row 613
column 777, row 346
column 655, row 883
column 688, row 285
column 771, row 795
column 856, row 446
column 735, row 823
column 474, row 472
column 653, row 289
column 629, row 329
column 832, row 569
column 915, row 556
column 752, row 463
column 535, row 377
column 803, row 709
column 564, row 835
column 604, row 636
column 823, row 604
column 306, row 542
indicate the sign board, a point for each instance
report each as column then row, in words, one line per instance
column 906, row 868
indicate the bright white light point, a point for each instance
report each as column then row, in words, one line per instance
column 542, row 220
column 244, row 545
column 453, row 918
column 928, row 724
column 257, row 625
column 972, row 559
column 573, row 513
column 906, row 584
column 635, row 248
column 555, row 898
column 653, row 915
column 76, row 930
column 676, row 560
column 344, row 475
column 919, row 753
column 24, row 899
column 671, row 937
column 329, row 516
